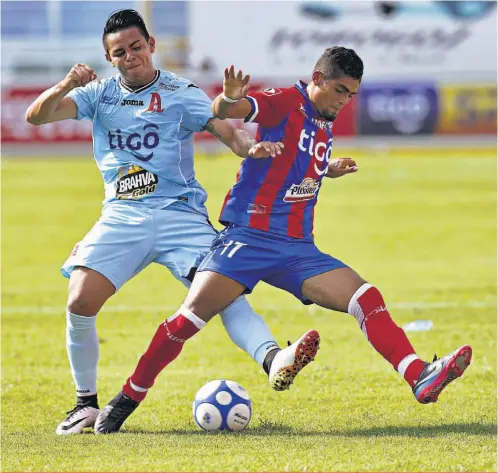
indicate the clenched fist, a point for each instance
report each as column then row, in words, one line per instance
column 79, row 76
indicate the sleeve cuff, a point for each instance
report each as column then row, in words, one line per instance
column 254, row 110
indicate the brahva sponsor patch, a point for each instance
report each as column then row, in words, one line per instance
column 135, row 182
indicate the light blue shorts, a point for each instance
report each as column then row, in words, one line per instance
column 127, row 238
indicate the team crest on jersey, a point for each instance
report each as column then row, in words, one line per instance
column 270, row 92
column 155, row 103
column 300, row 192
column 134, row 182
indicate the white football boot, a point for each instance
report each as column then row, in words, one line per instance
column 79, row 418
column 289, row 361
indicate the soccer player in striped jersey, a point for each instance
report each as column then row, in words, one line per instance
column 268, row 217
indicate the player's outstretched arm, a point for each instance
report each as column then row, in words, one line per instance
column 340, row 167
column 230, row 103
column 241, row 142
column 53, row 105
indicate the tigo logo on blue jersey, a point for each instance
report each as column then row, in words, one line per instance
column 134, row 142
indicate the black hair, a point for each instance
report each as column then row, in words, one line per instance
column 123, row 19
column 339, row 62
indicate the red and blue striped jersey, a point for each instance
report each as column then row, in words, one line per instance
column 279, row 194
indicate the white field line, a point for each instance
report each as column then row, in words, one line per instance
column 8, row 310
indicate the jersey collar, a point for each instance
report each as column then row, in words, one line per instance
column 311, row 111
column 308, row 106
column 141, row 89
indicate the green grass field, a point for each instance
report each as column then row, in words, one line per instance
column 421, row 228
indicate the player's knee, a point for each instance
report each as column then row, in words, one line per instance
column 81, row 304
column 201, row 310
column 210, row 293
column 88, row 292
column 202, row 304
column 366, row 301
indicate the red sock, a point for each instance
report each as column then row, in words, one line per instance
column 369, row 308
column 165, row 346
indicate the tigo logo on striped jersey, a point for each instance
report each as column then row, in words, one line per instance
column 320, row 150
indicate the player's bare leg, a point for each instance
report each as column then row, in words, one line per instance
column 209, row 294
column 344, row 290
column 88, row 292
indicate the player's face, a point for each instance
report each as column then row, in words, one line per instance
column 129, row 51
column 331, row 96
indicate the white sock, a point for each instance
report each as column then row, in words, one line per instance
column 83, row 351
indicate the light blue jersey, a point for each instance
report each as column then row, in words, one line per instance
column 154, row 208
column 143, row 139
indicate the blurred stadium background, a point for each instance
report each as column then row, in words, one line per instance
column 418, row 220
column 430, row 66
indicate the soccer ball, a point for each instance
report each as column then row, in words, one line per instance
column 222, row 405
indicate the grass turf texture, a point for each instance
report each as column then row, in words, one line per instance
column 421, row 228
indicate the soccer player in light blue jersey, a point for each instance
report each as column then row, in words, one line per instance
column 143, row 125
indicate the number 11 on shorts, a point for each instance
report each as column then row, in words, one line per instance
column 237, row 245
